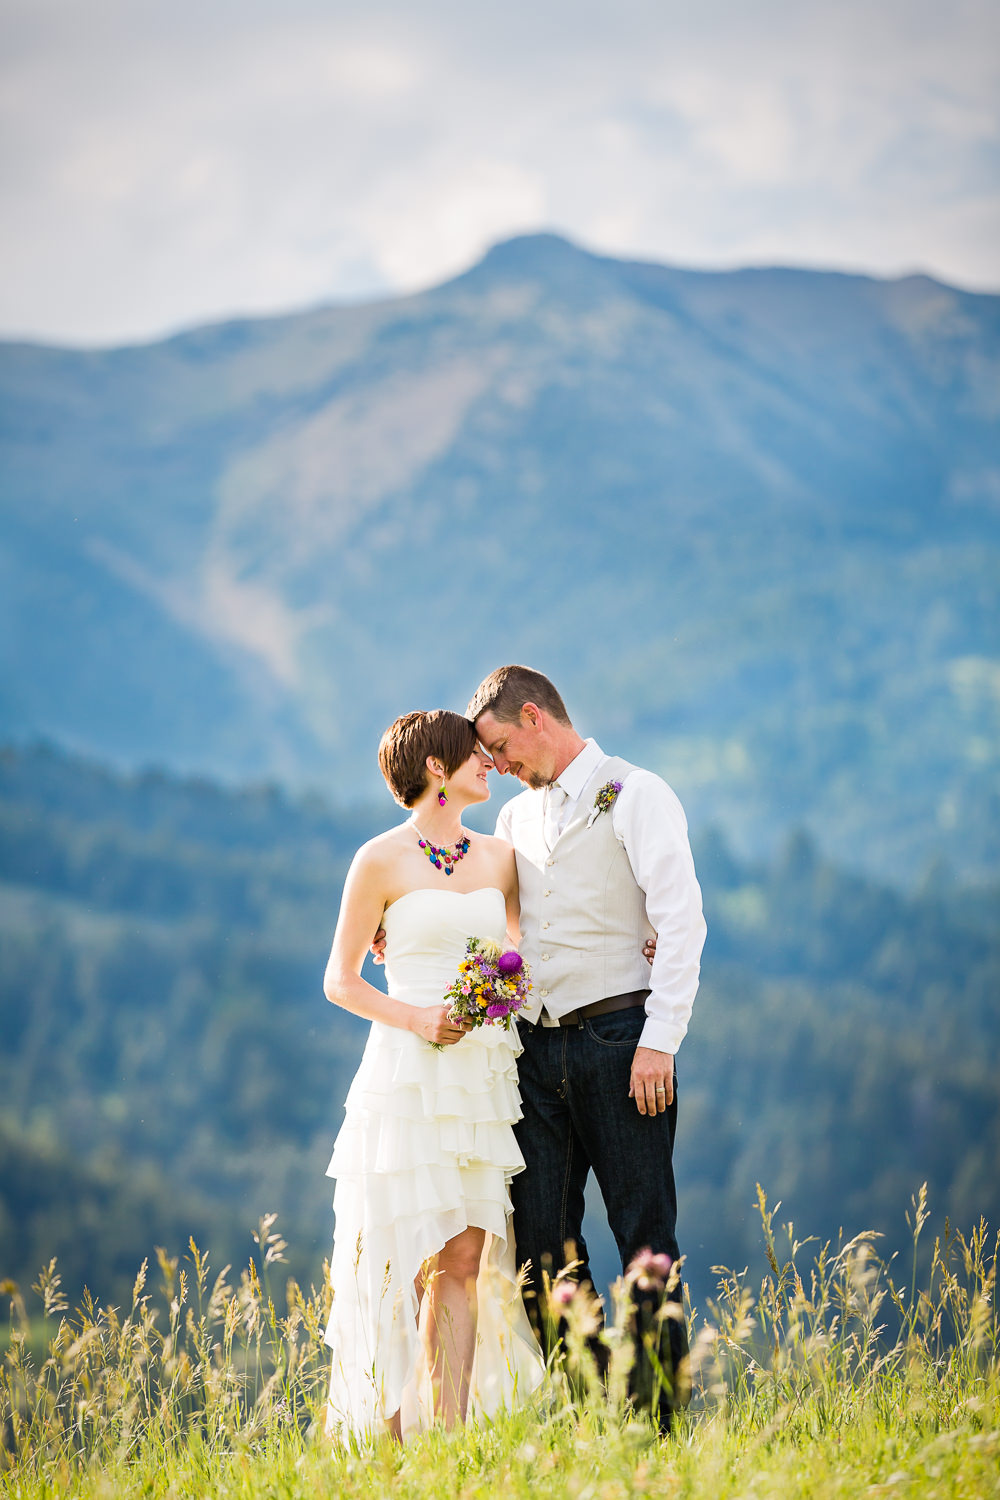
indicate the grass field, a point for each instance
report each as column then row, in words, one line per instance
column 837, row 1375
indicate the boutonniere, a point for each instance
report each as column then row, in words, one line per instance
column 604, row 800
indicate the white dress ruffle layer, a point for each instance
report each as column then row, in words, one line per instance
column 426, row 1150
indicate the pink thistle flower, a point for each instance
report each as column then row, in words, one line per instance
column 648, row 1272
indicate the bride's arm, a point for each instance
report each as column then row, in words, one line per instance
column 361, row 909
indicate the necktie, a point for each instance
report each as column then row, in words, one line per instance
column 555, row 806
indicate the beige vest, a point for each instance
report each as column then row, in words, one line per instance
column 583, row 917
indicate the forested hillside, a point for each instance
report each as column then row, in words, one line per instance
column 170, row 1066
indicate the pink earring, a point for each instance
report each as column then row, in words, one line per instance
column 442, row 794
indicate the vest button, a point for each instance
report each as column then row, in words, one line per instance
column 550, row 861
column 546, row 924
column 546, row 893
column 543, row 993
column 545, row 955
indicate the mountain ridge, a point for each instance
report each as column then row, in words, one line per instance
column 748, row 520
column 499, row 250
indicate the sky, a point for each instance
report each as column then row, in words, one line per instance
column 169, row 164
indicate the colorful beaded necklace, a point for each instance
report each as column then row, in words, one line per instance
column 449, row 856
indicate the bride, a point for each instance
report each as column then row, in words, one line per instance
column 427, row 1320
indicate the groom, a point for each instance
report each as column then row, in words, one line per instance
column 603, row 863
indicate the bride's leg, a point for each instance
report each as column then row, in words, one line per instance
column 393, row 1426
column 451, row 1324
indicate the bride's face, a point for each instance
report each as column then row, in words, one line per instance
column 470, row 778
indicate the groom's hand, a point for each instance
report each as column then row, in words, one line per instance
column 652, row 1083
column 377, row 949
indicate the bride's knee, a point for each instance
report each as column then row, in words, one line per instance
column 461, row 1256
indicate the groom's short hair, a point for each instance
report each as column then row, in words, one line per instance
column 406, row 744
column 504, row 692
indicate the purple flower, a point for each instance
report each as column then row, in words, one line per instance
column 510, row 962
column 563, row 1293
column 496, row 1010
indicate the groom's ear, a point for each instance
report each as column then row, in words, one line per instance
column 531, row 715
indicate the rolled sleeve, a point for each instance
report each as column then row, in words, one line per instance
column 650, row 823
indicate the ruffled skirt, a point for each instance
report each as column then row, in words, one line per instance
column 427, row 1150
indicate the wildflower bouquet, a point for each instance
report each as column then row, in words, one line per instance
column 491, row 985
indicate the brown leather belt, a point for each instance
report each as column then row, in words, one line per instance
column 601, row 1008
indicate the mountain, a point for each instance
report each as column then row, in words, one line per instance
column 170, row 1067
column 749, row 521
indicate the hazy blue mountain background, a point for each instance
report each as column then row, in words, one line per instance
column 749, row 521
column 170, row 1066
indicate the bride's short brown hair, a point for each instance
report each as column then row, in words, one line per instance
column 406, row 744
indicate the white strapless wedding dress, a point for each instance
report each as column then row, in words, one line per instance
column 426, row 1150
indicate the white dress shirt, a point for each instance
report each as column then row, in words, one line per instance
column 649, row 823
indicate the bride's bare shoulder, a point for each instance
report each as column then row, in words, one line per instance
column 383, row 850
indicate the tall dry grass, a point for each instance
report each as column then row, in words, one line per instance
column 837, row 1366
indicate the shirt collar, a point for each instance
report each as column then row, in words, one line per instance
column 574, row 777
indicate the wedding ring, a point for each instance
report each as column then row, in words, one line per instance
column 661, row 1089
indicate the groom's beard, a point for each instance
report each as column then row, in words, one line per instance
column 535, row 780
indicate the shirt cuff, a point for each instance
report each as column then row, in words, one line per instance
column 660, row 1035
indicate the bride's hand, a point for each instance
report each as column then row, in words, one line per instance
column 434, row 1025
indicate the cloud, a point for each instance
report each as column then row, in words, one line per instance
column 167, row 165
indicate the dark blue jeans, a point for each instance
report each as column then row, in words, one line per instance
column 578, row 1116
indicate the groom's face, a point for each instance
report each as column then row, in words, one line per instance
column 520, row 748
